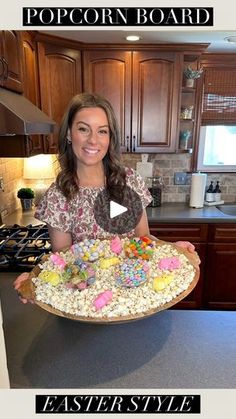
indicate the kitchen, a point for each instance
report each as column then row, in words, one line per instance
column 212, row 231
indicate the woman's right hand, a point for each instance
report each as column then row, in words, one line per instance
column 17, row 284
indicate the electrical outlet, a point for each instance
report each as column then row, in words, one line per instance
column 180, row 178
column 1, row 184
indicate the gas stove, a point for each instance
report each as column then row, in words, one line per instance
column 22, row 247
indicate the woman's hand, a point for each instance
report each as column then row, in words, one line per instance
column 190, row 248
column 186, row 245
column 17, row 284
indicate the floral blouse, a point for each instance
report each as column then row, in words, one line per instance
column 76, row 216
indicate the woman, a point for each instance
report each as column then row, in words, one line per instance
column 89, row 159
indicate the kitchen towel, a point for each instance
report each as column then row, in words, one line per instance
column 197, row 192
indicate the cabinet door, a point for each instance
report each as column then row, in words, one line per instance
column 196, row 234
column 60, row 80
column 195, row 298
column 12, row 53
column 108, row 73
column 156, row 87
column 220, row 284
column 31, row 85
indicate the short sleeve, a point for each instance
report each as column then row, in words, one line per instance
column 136, row 182
column 53, row 209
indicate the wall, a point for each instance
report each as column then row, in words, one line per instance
column 11, row 170
column 166, row 165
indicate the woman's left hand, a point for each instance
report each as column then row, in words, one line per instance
column 190, row 248
column 186, row 245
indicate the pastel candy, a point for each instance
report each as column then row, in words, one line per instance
column 89, row 250
column 102, row 299
column 169, row 263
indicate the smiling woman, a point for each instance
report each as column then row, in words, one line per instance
column 89, row 137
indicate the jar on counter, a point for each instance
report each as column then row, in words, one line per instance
column 155, row 186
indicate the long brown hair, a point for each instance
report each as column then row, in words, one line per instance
column 115, row 174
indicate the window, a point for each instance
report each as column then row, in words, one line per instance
column 217, row 148
column 217, row 140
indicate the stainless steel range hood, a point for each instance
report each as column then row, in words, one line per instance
column 18, row 116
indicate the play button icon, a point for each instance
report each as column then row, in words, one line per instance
column 116, row 209
column 118, row 216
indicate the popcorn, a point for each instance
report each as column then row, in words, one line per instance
column 150, row 294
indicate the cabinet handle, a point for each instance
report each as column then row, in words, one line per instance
column 2, row 69
column 5, row 69
column 46, row 143
column 29, row 145
column 134, row 143
column 127, row 143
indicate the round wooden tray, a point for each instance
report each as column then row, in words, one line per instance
column 27, row 290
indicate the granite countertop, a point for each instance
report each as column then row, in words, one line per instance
column 171, row 349
column 182, row 213
column 166, row 213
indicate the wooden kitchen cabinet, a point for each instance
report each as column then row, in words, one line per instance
column 143, row 87
column 31, row 87
column 220, row 274
column 196, row 234
column 60, row 80
column 11, row 54
column 108, row 73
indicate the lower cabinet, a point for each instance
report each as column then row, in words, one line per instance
column 196, row 234
column 220, row 273
column 216, row 246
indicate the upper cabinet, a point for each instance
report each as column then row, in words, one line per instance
column 143, row 87
column 11, row 54
column 155, row 93
column 31, row 87
column 108, row 73
column 60, row 80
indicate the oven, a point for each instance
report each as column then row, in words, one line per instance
column 22, row 247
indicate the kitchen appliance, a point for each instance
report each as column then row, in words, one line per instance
column 19, row 116
column 197, row 192
column 22, row 247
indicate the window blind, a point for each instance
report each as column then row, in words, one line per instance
column 219, row 96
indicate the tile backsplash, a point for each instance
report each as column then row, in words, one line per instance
column 165, row 165
column 11, row 169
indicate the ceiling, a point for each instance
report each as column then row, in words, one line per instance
column 214, row 38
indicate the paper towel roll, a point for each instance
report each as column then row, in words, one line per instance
column 197, row 193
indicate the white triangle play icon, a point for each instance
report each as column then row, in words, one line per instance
column 116, row 209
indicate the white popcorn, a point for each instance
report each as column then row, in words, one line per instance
column 126, row 301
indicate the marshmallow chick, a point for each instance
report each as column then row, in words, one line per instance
column 169, row 263
column 102, row 299
column 58, row 260
column 52, row 277
column 106, row 263
column 116, row 245
column 161, row 282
